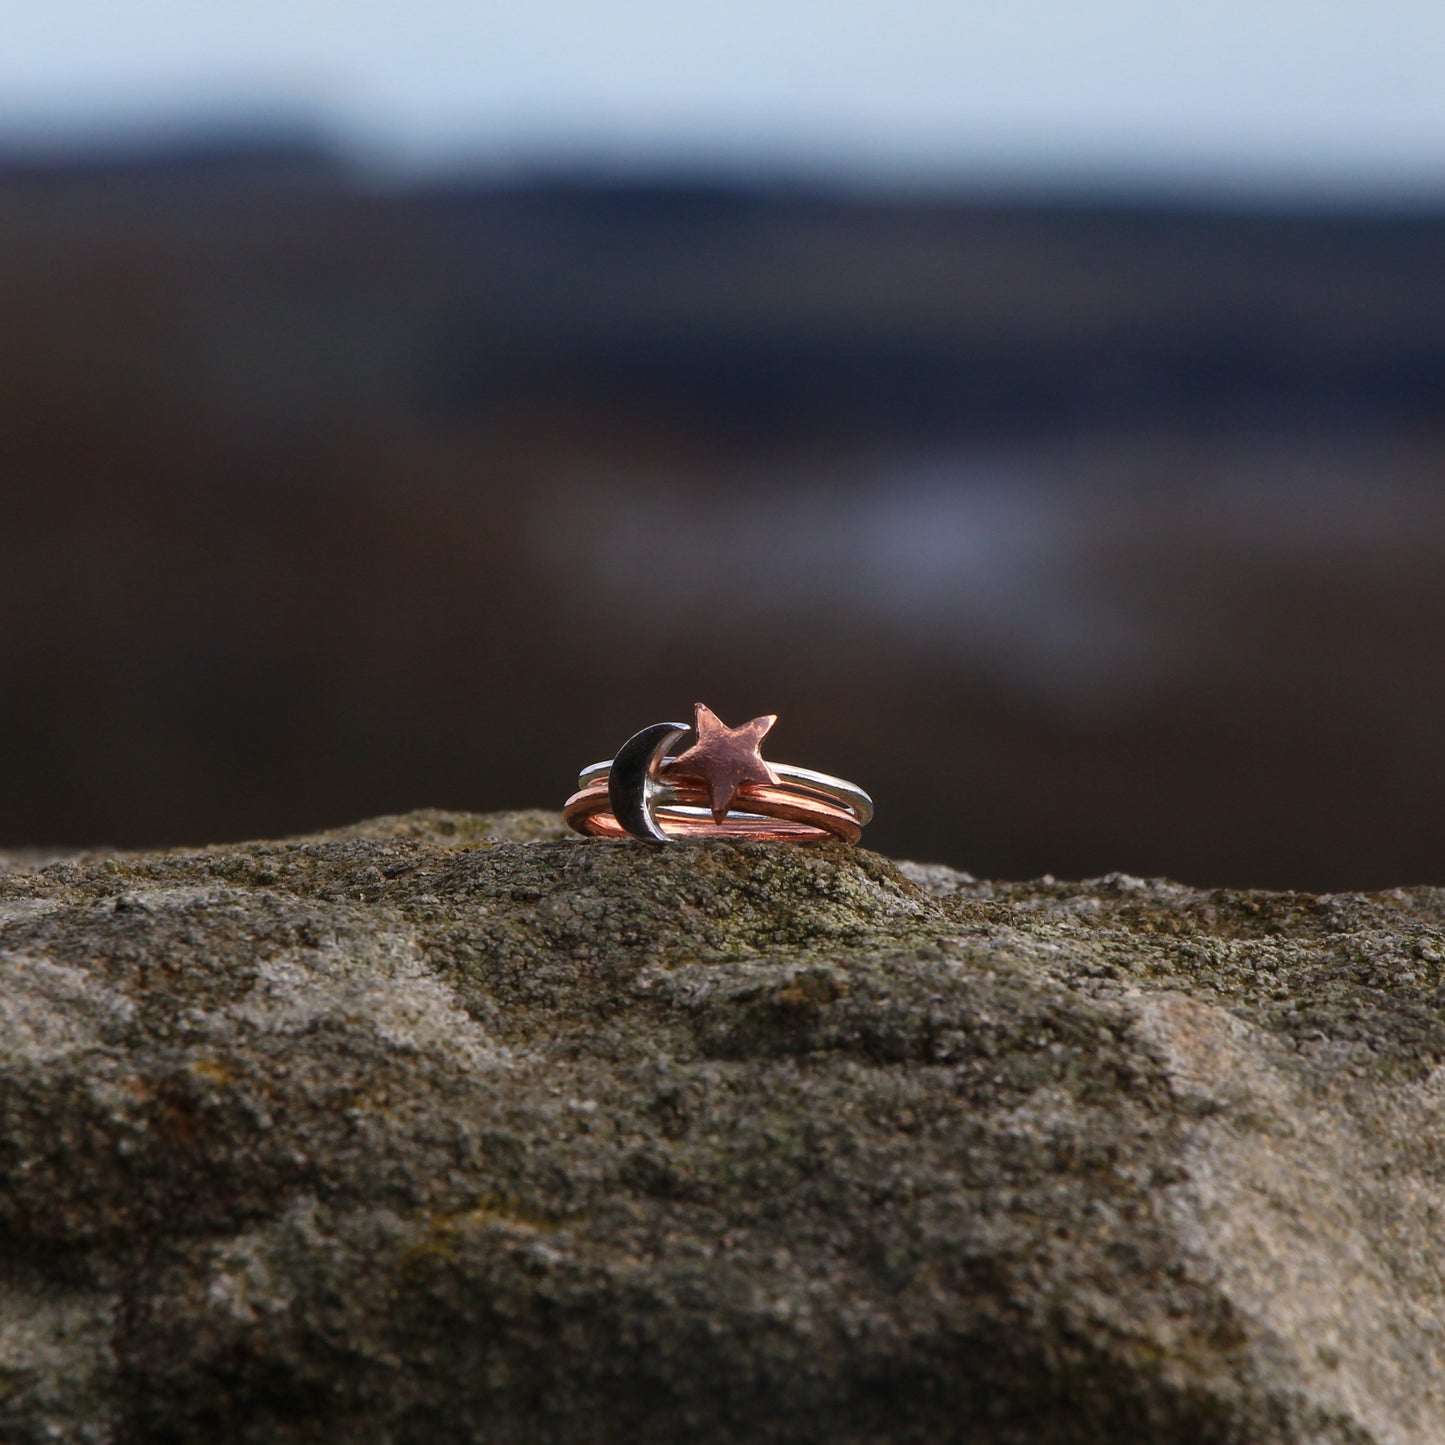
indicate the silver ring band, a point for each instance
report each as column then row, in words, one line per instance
column 840, row 790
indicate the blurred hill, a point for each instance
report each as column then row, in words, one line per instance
column 1088, row 536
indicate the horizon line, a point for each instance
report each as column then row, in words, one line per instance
column 158, row 144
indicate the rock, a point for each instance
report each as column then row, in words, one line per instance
column 450, row 1128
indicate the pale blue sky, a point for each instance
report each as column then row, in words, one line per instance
column 1317, row 94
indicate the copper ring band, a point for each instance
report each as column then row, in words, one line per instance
column 720, row 787
column 833, row 790
column 781, row 813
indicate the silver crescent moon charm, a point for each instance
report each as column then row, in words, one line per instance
column 633, row 780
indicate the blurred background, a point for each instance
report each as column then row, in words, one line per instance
column 1040, row 407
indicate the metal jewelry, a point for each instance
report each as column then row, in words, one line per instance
column 720, row 787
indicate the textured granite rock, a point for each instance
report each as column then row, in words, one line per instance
column 447, row 1128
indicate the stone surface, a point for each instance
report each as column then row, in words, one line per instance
column 446, row 1128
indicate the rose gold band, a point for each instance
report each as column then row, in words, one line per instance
column 780, row 812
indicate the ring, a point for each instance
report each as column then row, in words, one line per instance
column 720, row 787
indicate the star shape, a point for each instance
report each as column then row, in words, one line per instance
column 724, row 758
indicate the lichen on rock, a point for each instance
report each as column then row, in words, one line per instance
column 459, row 1128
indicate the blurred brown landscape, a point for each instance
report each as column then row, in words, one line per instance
column 1088, row 535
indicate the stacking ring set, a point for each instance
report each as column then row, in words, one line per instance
column 720, row 787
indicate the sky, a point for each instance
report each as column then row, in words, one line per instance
column 1314, row 95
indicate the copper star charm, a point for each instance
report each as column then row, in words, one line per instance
column 724, row 758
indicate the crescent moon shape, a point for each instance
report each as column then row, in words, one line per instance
column 634, row 770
